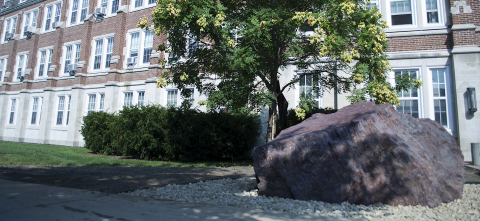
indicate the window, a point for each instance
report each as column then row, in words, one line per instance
column 140, row 4
column 440, row 96
column 109, row 7
column 307, row 88
column 401, row 12
column 22, row 61
column 9, row 28
column 44, row 61
column 172, row 98
column 409, row 99
column 92, row 104
column 5, row 4
column 131, row 98
column 433, row 11
column 102, row 49
column 71, row 55
column 373, row 3
column 13, row 107
column 78, row 11
column 52, row 14
column 29, row 19
column 141, row 43
column 3, row 67
column 36, row 110
column 141, row 98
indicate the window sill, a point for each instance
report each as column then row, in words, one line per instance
column 431, row 30
column 76, row 24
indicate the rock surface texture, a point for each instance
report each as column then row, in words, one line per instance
column 363, row 154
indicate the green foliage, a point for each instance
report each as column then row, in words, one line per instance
column 97, row 134
column 158, row 133
column 292, row 118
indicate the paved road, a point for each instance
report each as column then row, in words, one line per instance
column 26, row 201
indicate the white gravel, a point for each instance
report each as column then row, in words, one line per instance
column 241, row 193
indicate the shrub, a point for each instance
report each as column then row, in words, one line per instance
column 97, row 134
column 154, row 132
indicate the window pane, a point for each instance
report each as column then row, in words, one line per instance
column 138, row 3
column 128, row 99
column 134, row 44
column 172, row 98
column 102, row 101
column 61, row 107
column 73, row 20
column 141, row 97
column 91, row 102
column 114, row 6
column 34, row 111
column 83, row 14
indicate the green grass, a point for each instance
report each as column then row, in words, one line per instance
column 23, row 154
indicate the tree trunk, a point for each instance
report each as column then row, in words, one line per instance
column 282, row 107
column 272, row 121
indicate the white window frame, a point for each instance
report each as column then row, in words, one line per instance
column 448, row 95
column 98, row 105
column 29, row 21
column 389, row 15
column 421, row 110
column 374, row 3
column 3, row 67
column 75, row 51
column 12, row 110
column 23, row 65
column 109, row 7
column 65, row 110
column 48, row 61
column 145, row 4
column 135, row 97
column 103, row 54
column 298, row 93
column 11, row 27
column 81, row 5
column 53, row 16
column 141, row 46
column 179, row 98
column 441, row 14
column 38, row 111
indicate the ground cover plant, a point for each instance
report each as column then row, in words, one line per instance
column 23, row 154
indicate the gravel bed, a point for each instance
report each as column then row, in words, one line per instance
column 241, row 193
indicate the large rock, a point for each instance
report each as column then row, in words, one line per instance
column 363, row 154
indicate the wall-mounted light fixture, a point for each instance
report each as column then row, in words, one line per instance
column 471, row 99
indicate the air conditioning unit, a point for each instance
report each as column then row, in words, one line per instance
column 8, row 36
column 72, row 69
column 30, row 31
column 131, row 61
column 20, row 77
column 99, row 13
column 4, row 7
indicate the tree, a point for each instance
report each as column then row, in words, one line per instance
column 248, row 42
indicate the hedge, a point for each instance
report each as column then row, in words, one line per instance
column 156, row 133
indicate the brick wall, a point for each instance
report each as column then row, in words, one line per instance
column 416, row 43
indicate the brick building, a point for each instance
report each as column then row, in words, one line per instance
column 43, row 101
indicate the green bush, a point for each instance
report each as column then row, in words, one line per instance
column 97, row 134
column 157, row 133
column 292, row 118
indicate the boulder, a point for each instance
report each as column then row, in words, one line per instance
column 362, row 154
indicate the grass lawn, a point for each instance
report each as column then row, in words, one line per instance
column 23, row 154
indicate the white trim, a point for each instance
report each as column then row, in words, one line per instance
column 108, row 10
column 39, row 111
column 45, row 68
column 15, row 111
column 4, row 68
column 67, row 99
column 78, row 15
column 64, row 55
column 391, row 79
column 413, row 12
column 52, row 18
column 441, row 13
column 22, row 27
column 24, row 65
column 144, row 5
column 141, row 47
column 102, row 68
column 448, row 95
column 10, row 28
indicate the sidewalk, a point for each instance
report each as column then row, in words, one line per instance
column 25, row 201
